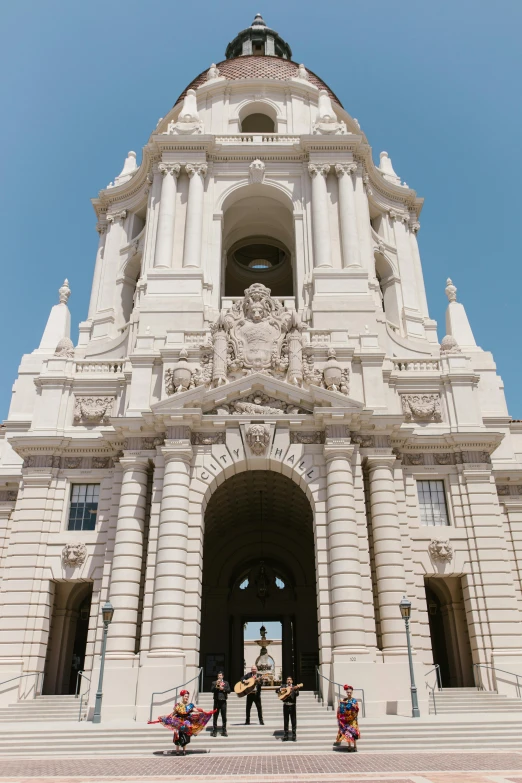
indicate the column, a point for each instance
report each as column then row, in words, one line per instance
column 348, row 215
column 287, row 644
column 343, row 551
column 320, row 221
column 101, row 228
column 128, row 555
column 167, row 210
column 111, row 259
column 419, row 278
column 387, row 551
column 364, row 229
column 194, row 223
column 171, row 558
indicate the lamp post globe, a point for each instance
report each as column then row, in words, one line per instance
column 405, row 610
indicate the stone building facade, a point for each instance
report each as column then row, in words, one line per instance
column 258, row 422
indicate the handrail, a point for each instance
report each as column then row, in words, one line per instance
column 436, row 668
column 30, row 674
column 495, row 669
column 338, row 686
column 198, row 678
column 82, row 674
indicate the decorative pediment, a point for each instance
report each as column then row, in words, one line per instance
column 255, row 395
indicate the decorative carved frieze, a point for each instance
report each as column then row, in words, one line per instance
column 102, row 463
column 41, row 461
column 424, row 407
column 208, row 438
column 503, row 489
column 440, row 550
column 307, row 438
column 444, row 458
column 8, row 495
column 258, row 403
column 71, row 462
column 412, row 459
column 74, row 555
column 258, row 437
column 93, row 410
column 363, row 439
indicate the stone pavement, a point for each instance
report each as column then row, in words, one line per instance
column 480, row 767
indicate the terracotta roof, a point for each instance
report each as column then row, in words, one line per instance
column 258, row 67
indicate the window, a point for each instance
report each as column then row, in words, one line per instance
column 84, row 506
column 432, row 503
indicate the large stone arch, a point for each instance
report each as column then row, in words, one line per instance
column 212, row 465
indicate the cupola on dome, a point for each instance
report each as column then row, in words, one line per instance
column 258, row 52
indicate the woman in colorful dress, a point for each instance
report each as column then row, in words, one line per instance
column 185, row 721
column 347, row 720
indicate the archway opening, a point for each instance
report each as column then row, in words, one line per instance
column 259, row 568
column 449, row 631
column 67, row 642
column 258, row 241
column 258, row 123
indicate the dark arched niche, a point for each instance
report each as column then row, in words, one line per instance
column 259, row 527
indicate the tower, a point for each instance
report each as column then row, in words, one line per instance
column 258, row 360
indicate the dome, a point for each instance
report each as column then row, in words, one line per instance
column 259, row 67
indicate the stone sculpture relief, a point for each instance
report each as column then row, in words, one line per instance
column 412, row 459
column 93, row 410
column 443, row 458
column 257, row 335
column 258, row 438
column 440, row 550
column 364, row 440
column 208, row 438
column 425, row 407
column 74, row 555
column 189, row 122
column 65, row 349
column 307, row 438
column 258, row 403
column 256, row 171
column 326, row 121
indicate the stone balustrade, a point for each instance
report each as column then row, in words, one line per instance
column 85, row 366
column 414, row 365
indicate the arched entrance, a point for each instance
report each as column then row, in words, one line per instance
column 67, row 636
column 449, row 631
column 259, row 565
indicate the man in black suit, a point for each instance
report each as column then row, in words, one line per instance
column 255, row 696
column 220, row 689
column 289, row 709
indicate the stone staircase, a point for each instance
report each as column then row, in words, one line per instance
column 316, row 731
column 43, row 709
column 450, row 701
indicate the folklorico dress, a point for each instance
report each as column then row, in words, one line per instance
column 347, row 722
column 184, row 722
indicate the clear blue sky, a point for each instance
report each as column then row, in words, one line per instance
column 436, row 84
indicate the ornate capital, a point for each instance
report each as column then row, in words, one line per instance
column 117, row 216
column 414, row 226
column 345, row 168
column 380, row 461
column 196, row 168
column 101, row 228
column 169, row 168
column 181, row 453
column 318, row 168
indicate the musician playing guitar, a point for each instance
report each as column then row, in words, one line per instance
column 255, row 696
column 289, row 708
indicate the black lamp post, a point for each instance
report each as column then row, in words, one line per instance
column 107, row 613
column 405, row 607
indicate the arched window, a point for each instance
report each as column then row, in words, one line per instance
column 258, row 123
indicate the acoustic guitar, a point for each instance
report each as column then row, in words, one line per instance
column 244, row 688
column 284, row 692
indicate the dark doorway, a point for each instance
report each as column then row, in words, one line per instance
column 67, row 636
column 259, row 566
column 449, row 631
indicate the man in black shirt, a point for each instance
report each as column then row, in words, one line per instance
column 255, row 696
column 289, row 709
column 220, row 689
